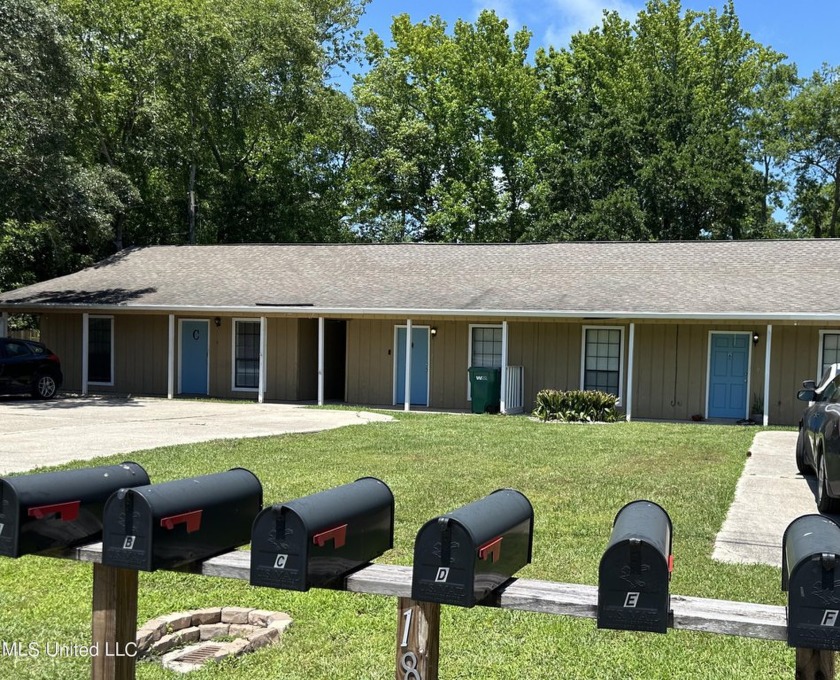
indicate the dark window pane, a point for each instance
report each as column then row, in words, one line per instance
column 601, row 360
column 247, row 369
column 486, row 347
column 99, row 350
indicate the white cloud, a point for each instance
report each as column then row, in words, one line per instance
column 567, row 17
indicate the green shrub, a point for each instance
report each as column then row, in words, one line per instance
column 576, row 406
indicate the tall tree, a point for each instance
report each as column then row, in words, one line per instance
column 815, row 153
column 54, row 209
column 649, row 128
column 449, row 122
column 221, row 114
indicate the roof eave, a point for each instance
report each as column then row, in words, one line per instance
column 311, row 311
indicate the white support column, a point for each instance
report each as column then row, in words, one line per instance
column 321, row 361
column 85, row 352
column 4, row 324
column 407, row 405
column 767, row 348
column 628, row 400
column 170, row 360
column 263, row 334
column 503, row 386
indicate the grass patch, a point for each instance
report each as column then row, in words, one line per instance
column 577, row 477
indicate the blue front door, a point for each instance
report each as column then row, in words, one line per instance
column 729, row 363
column 194, row 353
column 419, row 366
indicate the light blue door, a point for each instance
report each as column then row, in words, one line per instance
column 194, row 353
column 419, row 366
column 728, row 368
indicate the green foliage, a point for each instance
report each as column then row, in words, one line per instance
column 815, row 153
column 55, row 209
column 576, row 406
column 646, row 128
column 449, row 121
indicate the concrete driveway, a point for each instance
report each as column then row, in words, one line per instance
column 769, row 496
column 38, row 433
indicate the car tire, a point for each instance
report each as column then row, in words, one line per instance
column 825, row 503
column 803, row 448
column 44, row 387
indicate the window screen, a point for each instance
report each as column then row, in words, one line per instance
column 247, row 373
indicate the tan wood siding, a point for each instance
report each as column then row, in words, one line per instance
column 282, row 351
column 140, row 355
column 549, row 354
column 448, row 365
column 670, row 371
column 62, row 333
column 370, row 361
column 793, row 359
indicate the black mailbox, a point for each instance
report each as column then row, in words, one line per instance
column 165, row 526
column 635, row 570
column 53, row 510
column 315, row 540
column 460, row 558
column 811, row 577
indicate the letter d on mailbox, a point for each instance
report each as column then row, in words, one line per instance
column 315, row 540
column 461, row 557
column 635, row 570
column 811, row 577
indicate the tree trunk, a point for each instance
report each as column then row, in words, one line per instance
column 191, row 204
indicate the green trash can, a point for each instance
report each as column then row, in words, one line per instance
column 486, row 389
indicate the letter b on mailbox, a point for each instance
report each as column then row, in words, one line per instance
column 635, row 571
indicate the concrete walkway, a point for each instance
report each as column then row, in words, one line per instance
column 769, row 496
column 37, row 433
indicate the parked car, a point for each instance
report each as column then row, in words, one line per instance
column 818, row 445
column 29, row 367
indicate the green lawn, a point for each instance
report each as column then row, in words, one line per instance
column 577, row 477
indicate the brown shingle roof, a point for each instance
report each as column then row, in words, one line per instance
column 794, row 278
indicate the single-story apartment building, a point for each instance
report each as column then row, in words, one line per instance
column 718, row 329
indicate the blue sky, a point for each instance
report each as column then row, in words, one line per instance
column 806, row 31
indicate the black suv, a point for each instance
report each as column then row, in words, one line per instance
column 27, row 366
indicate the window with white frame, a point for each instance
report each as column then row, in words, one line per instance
column 603, row 359
column 246, row 355
column 829, row 350
column 101, row 350
column 486, row 346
